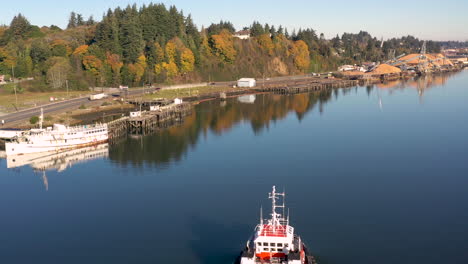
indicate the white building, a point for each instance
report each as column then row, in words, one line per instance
column 346, row 68
column 244, row 34
column 178, row 101
column 246, row 82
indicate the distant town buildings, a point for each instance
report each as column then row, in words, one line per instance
column 351, row 68
column 243, row 34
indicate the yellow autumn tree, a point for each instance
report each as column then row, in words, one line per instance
column 300, row 51
column 7, row 60
column 171, row 69
column 223, row 46
column 159, row 53
column 187, row 61
column 171, row 51
column 138, row 69
column 266, row 43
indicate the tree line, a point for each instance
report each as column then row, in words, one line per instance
column 157, row 44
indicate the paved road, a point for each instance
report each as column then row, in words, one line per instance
column 53, row 108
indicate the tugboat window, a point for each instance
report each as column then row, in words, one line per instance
column 272, row 244
column 259, row 244
column 265, row 244
column 280, row 244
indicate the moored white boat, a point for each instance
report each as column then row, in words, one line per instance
column 57, row 138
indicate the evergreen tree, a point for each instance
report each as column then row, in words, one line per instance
column 19, row 27
column 131, row 40
column 215, row 29
column 280, row 30
column 90, row 21
column 107, row 34
column 72, row 22
column 256, row 29
column 79, row 20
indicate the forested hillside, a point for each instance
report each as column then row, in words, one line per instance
column 155, row 44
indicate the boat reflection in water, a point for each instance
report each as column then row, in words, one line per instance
column 59, row 161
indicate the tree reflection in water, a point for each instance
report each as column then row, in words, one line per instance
column 170, row 145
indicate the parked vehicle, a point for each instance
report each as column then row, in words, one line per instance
column 97, row 96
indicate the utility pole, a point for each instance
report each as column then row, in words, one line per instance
column 14, row 87
column 66, row 83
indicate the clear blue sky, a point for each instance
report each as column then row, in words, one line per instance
column 430, row 19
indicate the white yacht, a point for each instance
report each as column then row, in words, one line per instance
column 56, row 139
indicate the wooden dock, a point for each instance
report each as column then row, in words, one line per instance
column 307, row 86
column 117, row 128
column 152, row 120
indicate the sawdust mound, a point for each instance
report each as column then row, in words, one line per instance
column 385, row 69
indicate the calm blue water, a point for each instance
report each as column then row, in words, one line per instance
column 372, row 175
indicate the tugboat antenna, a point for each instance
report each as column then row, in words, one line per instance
column 261, row 216
column 284, row 200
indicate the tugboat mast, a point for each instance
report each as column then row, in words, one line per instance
column 276, row 217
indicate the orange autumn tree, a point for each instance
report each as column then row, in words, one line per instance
column 81, row 50
column 223, row 46
column 113, row 60
column 300, row 51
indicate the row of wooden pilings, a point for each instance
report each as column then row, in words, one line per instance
column 303, row 87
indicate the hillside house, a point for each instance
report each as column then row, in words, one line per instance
column 243, row 34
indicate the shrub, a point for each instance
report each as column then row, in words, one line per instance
column 82, row 106
column 33, row 120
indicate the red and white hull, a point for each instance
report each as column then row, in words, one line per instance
column 274, row 240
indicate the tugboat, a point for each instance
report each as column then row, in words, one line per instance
column 274, row 240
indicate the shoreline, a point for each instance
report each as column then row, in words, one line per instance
column 96, row 110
